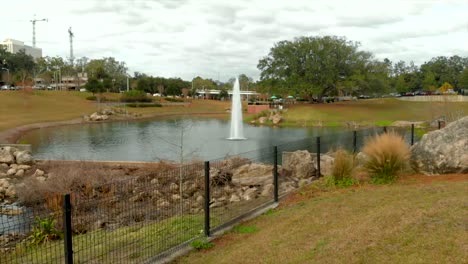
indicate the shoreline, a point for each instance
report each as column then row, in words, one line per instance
column 12, row 135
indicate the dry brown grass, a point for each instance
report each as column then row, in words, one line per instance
column 399, row 223
column 343, row 165
column 387, row 154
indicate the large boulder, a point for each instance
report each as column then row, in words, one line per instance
column 326, row 164
column 253, row 174
column 24, row 157
column 6, row 155
column 299, row 164
column 443, row 151
column 276, row 119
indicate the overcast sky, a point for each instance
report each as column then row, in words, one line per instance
column 216, row 38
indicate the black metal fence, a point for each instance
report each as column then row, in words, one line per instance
column 139, row 220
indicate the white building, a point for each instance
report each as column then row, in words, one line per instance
column 14, row 46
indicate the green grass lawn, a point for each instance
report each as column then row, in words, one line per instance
column 381, row 112
column 27, row 107
column 405, row 222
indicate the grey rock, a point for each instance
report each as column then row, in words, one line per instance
column 174, row 187
column 24, row 167
column 299, row 164
column 442, row 151
column 234, row 198
column 250, row 194
column 19, row 173
column 41, row 179
column 6, row 155
column 24, row 157
column 268, row 190
column 11, row 172
column 38, row 173
column 200, row 200
column 253, row 174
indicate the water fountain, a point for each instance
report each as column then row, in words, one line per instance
column 237, row 128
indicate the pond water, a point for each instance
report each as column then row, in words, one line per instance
column 155, row 140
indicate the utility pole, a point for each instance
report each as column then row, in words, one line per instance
column 70, row 34
column 34, row 28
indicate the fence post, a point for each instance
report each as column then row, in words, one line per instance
column 385, row 129
column 438, row 124
column 318, row 157
column 275, row 173
column 67, row 240
column 412, row 134
column 207, row 198
column 354, row 141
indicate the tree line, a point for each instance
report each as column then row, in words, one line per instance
column 335, row 66
column 306, row 67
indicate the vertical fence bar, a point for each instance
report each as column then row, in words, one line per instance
column 438, row 124
column 385, row 129
column 412, row 134
column 318, row 157
column 275, row 173
column 207, row 198
column 67, row 240
column 354, row 141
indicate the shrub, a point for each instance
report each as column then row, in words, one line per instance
column 44, row 230
column 343, row 166
column 175, row 100
column 91, row 98
column 200, row 244
column 134, row 96
column 387, row 156
column 144, row 105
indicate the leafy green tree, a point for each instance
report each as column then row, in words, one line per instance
column 463, row 79
column 401, row 85
column 95, row 86
column 244, row 82
column 107, row 84
column 312, row 65
column 22, row 65
column 429, row 83
column 144, row 84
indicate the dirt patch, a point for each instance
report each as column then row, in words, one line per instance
column 424, row 179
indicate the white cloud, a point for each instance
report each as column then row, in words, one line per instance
column 209, row 38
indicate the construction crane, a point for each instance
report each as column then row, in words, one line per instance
column 34, row 28
column 70, row 34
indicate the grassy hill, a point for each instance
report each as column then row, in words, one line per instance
column 371, row 112
column 420, row 219
column 26, row 107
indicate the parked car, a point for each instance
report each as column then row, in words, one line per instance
column 5, row 87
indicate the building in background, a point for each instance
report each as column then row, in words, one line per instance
column 14, row 46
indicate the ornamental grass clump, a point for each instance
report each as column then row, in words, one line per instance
column 387, row 156
column 343, row 168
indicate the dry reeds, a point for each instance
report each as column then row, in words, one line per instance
column 387, row 155
column 343, row 165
